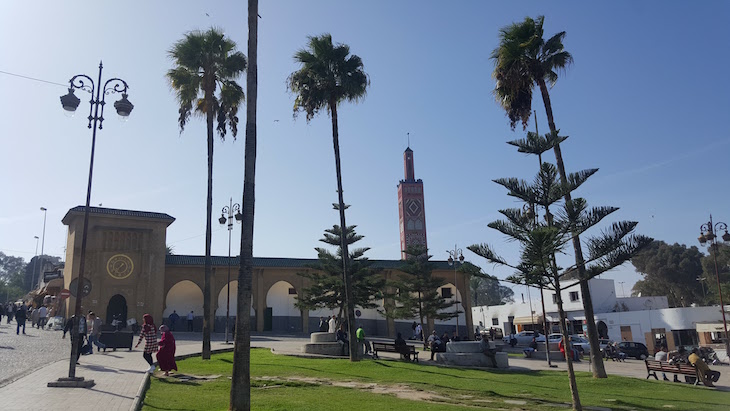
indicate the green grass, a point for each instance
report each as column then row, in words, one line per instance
column 291, row 383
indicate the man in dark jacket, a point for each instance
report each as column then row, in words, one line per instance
column 20, row 316
column 78, row 340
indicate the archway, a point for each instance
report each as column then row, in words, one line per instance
column 220, row 313
column 184, row 297
column 452, row 294
column 117, row 310
column 280, row 309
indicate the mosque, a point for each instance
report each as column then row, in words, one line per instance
column 130, row 273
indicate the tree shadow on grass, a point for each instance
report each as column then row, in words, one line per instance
column 177, row 381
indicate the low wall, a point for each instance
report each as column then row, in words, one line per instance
column 469, row 354
column 323, row 344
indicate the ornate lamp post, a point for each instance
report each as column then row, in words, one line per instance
column 43, row 243
column 455, row 255
column 96, row 118
column 707, row 234
column 35, row 262
column 233, row 211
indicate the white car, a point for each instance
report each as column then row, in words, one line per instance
column 524, row 338
column 553, row 338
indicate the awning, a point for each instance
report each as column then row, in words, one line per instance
column 709, row 327
column 530, row 319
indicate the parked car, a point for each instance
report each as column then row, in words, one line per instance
column 633, row 349
column 553, row 338
column 523, row 337
column 580, row 343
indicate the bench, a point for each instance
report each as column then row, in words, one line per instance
column 652, row 366
column 390, row 347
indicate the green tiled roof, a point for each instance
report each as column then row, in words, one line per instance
column 276, row 262
column 119, row 212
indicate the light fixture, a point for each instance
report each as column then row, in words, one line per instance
column 222, row 220
column 70, row 102
column 123, row 106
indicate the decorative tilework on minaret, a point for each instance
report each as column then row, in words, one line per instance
column 411, row 213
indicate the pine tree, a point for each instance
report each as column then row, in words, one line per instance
column 416, row 294
column 327, row 288
column 541, row 241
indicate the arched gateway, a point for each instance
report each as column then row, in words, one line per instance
column 127, row 262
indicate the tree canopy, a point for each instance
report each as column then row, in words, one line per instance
column 670, row 270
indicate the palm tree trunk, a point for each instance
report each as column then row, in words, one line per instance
column 208, row 260
column 599, row 370
column 568, row 349
column 343, row 238
column 241, row 379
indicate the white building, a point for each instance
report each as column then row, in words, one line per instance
column 640, row 319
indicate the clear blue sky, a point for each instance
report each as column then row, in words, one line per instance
column 646, row 102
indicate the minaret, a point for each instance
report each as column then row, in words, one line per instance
column 411, row 214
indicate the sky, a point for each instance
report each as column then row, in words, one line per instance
column 645, row 102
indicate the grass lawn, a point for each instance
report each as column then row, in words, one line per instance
column 290, row 383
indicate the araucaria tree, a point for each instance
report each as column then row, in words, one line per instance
column 541, row 241
column 328, row 76
column 522, row 60
column 326, row 289
column 206, row 67
column 240, row 398
column 416, row 293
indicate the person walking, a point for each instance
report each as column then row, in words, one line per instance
column 94, row 324
column 332, row 325
column 42, row 316
column 77, row 339
column 173, row 319
column 166, row 355
column 10, row 312
column 33, row 314
column 191, row 317
column 20, row 317
column 149, row 334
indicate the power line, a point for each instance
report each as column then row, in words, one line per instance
column 34, row 79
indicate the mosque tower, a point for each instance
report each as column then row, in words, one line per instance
column 411, row 213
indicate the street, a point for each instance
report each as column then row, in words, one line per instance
column 22, row 354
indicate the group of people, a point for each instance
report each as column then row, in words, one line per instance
column 681, row 356
column 89, row 331
column 165, row 347
column 333, row 326
column 175, row 317
column 22, row 313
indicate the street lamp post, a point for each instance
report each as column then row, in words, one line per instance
column 455, row 255
column 35, row 262
column 233, row 211
column 707, row 233
column 43, row 242
column 96, row 119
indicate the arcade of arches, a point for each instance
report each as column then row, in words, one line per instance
column 131, row 275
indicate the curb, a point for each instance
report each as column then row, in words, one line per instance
column 145, row 385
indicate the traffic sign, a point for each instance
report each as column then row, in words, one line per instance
column 85, row 287
column 64, row 294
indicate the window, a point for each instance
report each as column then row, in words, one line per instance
column 555, row 298
column 495, row 321
column 292, row 291
column 446, row 292
column 574, row 296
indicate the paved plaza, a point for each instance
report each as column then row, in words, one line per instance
column 31, row 361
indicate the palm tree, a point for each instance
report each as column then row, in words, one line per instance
column 523, row 59
column 240, row 398
column 206, row 62
column 329, row 75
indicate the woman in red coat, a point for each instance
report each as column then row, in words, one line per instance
column 166, row 355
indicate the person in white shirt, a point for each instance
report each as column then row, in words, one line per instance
column 333, row 325
column 661, row 355
column 190, row 321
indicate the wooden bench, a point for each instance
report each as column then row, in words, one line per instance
column 652, row 366
column 390, row 347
